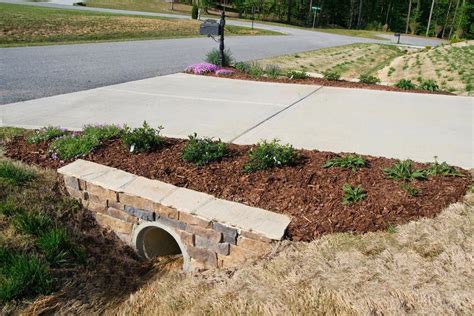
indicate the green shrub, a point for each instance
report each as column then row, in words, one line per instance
column 369, row 79
column 22, row 276
column 142, row 139
column 243, row 66
column 195, row 12
column 35, row 224
column 347, row 162
column 273, row 71
column 296, row 74
column 331, row 75
column 352, row 194
column 405, row 84
column 15, row 174
column 102, row 132
column 256, row 70
column 202, row 151
column 73, row 146
column 410, row 189
column 442, row 169
column 214, row 57
column 429, row 85
column 46, row 134
column 59, row 249
column 268, row 155
column 403, row 171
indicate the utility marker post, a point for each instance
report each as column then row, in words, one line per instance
column 315, row 11
column 221, row 40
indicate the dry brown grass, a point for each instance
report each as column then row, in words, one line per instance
column 424, row 267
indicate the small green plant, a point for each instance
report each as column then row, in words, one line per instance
column 266, row 155
column 214, row 57
column 256, row 70
column 410, row 189
column 22, row 276
column 404, row 171
column 429, row 85
column 102, row 132
column 142, row 139
column 243, row 66
column 392, row 229
column 346, row 162
column 59, row 249
column 296, row 74
column 202, row 151
column 9, row 208
column 369, row 79
column 73, row 146
column 405, row 84
column 35, row 224
column 332, row 75
column 273, row 71
column 352, row 194
column 46, row 134
column 194, row 12
column 391, row 70
column 442, row 169
column 15, row 174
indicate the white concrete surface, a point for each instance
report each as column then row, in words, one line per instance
column 381, row 123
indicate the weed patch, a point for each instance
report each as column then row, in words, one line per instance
column 58, row 248
column 15, row 174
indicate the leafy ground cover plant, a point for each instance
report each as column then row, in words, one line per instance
column 369, row 79
column 410, row 189
column 201, row 68
column 443, row 169
column 296, row 74
column 352, row 194
column 73, row 146
column 347, row 162
column 404, row 171
column 266, row 155
column 142, row 139
column 22, row 275
column 202, row 151
column 332, row 75
column 14, row 174
column 405, row 84
column 214, row 57
column 429, row 85
column 46, row 134
column 103, row 132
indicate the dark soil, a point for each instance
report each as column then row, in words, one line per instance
column 328, row 83
column 307, row 192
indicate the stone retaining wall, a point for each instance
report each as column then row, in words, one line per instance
column 210, row 232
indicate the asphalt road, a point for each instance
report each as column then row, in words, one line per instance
column 39, row 71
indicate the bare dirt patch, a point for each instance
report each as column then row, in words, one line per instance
column 309, row 193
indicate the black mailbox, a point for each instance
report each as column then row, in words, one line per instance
column 210, row 27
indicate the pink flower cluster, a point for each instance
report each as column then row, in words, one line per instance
column 201, row 68
column 224, row 72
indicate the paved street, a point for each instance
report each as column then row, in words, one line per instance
column 34, row 72
column 381, row 123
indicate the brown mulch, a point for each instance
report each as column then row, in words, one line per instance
column 323, row 82
column 307, row 192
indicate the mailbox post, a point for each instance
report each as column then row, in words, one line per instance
column 211, row 28
column 398, row 37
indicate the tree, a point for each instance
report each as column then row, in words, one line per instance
column 431, row 15
column 408, row 17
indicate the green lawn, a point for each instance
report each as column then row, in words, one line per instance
column 29, row 25
column 142, row 5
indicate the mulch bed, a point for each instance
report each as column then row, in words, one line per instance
column 323, row 82
column 307, row 192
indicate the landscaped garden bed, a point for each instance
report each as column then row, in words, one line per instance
column 323, row 192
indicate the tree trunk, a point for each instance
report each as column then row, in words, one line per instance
column 388, row 12
column 429, row 19
column 359, row 20
column 408, row 17
column 447, row 18
column 310, row 5
column 454, row 19
column 288, row 19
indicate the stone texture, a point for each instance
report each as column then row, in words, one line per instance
column 229, row 234
column 252, row 235
column 113, row 180
column 94, row 198
column 186, row 200
column 114, row 224
column 139, row 213
column 256, row 246
column 122, row 215
column 135, row 201
column 209, row 234
column 75, row 193
column 103, row 193
column 84, row 170
column 266, row 223
column 207, row 257
column 82, row 184
column 186, row 238
column 194, row 220
column 152, row 190
column 165, row 211
column 95, row 207
column 171, row 222
column 116, row 205
column 72, row 182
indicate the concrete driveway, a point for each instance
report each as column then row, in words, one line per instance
column 389, row 124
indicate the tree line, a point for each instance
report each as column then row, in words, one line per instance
column 441, row 18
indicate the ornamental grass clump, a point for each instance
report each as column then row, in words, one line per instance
column 46, row 134
column 267, row 155
column 15, row 174
column 404, row 171
column 202, row 151
column 350, row 161
column 142, row 139
column 214, row 57
column 353, row 194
